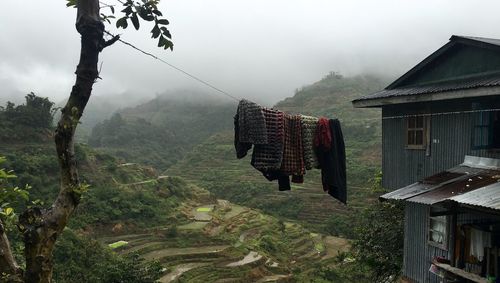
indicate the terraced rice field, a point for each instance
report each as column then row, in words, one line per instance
column 228, row 243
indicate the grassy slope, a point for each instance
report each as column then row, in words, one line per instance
column 213, row 165
column 154, row 214
column 161, row 131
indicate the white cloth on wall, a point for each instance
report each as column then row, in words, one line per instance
column 478, row 241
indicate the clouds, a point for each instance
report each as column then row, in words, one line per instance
column 260, row 49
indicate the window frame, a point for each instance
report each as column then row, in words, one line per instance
column 423, row 129
column 484, row 121
column 441, row 218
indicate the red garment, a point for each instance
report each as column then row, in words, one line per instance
column 323, row 138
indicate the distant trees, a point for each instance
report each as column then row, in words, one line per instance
column 37, row 112
column 41, row 226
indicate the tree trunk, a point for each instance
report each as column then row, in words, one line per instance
column 41, row 227
column 9, row 270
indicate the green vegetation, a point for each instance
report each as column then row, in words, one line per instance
column 160, row 132
column 213, row 165
column 118, row 244
column 79, row 259
column 31, row 121
column 136, row 225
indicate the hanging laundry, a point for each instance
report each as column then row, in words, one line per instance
column 252, row 123
column 332, row 159
column 293, row 153
column 323, row 138
column 269, row 156
column 309, row 125
column 478, row 241
column 287, row 145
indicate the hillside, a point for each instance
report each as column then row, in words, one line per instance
column 213, row 164
column 161, row 131
column 135, row 225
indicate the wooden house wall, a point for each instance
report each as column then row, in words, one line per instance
column 452, row 133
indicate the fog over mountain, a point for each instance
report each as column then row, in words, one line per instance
column 258, row 49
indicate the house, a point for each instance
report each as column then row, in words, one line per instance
column 441, row 156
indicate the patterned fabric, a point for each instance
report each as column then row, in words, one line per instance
column 323, row 135
column 252, row 124
column 309, row 125
column 293, row 153
column 268, row 156
column 241, row 148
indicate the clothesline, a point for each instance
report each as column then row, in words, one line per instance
column 238, row 99
column 434, row 114
column 176, row 68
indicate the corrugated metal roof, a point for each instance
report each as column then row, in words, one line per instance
column 471, row 183
column 483, row 80
column 488, row 197
column 481, row 39
column 422, row 90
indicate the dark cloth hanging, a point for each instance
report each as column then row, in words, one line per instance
column 282, row 146
column 293, row 152
column 309, row 126
column 268, row 157
column 252, row 123
column 241, row 148
column 332, row 160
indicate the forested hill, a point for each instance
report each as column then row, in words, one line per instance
column 213, row 163
column 161, row 131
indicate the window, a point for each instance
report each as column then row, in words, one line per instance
column 416, row 133
column 486, row 130
column 438, row 229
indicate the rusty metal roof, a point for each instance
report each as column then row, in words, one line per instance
column 488, row 197
column 475, row 182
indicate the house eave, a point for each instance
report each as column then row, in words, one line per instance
column 438, row 96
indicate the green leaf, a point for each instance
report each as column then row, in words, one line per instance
column 156, row 12
column 122, row 22
column 127, row 10
column 146, row 17
column 162, row 41
column 155, row 31
column 163, row 22
column 112, row 9
column 166, row 32
column 9, row 211
column 135, row 21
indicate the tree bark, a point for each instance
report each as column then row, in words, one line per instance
column 8, row 265
column 41, row 227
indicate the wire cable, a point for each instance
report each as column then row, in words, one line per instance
column 175, row 67
column 441, row 113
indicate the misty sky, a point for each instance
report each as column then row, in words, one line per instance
column 259, row 49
